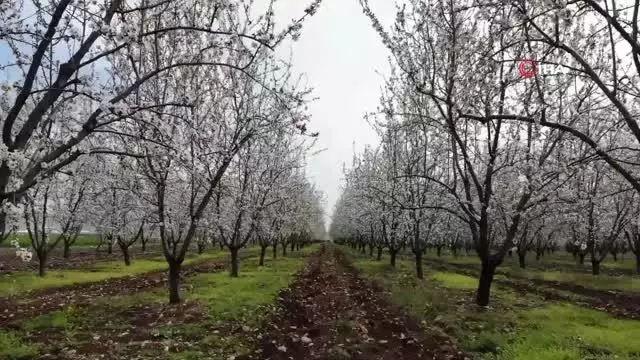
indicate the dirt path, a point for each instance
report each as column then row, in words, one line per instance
column 329, row 312
column 15, row 310
column 616, row 303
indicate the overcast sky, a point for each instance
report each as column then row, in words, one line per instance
column 343, row 58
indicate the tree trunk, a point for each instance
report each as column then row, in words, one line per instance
column 174, row 283
column 581, row 259
column 595, row 267
column 438, row 250
column 200, row 248
column 379, row 253
column 234, row 262
column 615, row 256
column 110, row 248
column 66, row 253
column 484, row 285
column 521, row 260
column 370, row 250
column 638, row 263
column 393, row 257
column 275, row 250
column 144, row 245
column 538, row 256
column 263, row 251
column 419, row 271
column 42, row 264
column 454, row 250
column 284, row 249
column 293, row 245
column 125, row 253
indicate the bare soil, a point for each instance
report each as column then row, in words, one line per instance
column 330, row 312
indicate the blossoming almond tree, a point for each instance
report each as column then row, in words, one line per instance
column 119, row 199
column 596, row 41
column 189, row 147
column 462, row 66
column 37, row 209
column 72, row 200
column 63, row 56
column 278, row 186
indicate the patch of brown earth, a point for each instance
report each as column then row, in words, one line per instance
column 141, row 324
column 121, row 331
column 329, row 312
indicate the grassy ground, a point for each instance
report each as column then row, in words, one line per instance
column 559, row 259
column 21, row 281
column 600, row 282
column 25, row 241
column 514, row 327
column 559, row 268
column 216, row 321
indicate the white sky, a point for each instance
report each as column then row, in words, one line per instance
column 343, row 58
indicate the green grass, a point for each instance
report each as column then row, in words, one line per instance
column 599, row 282
column 456, row 281
column 513, row 327
column 55, row 320
column 247, row 300
column 233, row 298
column 564, row 331
column 227, row 303
column 562, row 269
column 22, row 281
column 443, row 300
column 463, row 260
column 25, row 241
column 13, row 347
column 560, row 259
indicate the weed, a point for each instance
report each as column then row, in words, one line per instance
column 344, row 327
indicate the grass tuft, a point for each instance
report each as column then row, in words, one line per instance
column 13, row 348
